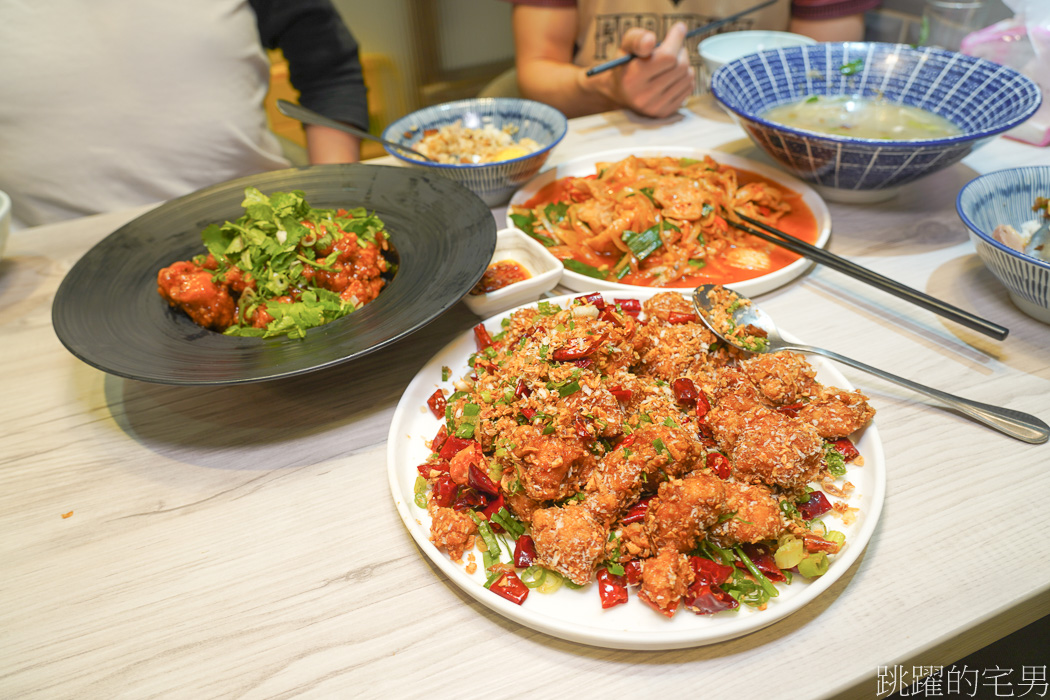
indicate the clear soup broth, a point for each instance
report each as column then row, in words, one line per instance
column 866, row 118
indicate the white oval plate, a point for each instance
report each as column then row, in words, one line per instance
column 577, row 615
column 752, row 287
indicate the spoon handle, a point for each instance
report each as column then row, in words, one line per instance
column 1014, row 423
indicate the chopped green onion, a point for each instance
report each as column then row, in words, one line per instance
column 644, row 244
column 583, row 269
column 568, row 389
column 790, row 552
column 766, row 584
column 420, row 490
column 533, row 576
column 814, row 565
column 552, row 582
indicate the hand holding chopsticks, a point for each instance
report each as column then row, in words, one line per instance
column 795, row 245
column 626, row 58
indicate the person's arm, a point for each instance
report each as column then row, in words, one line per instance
column 323, row 65
column 848, row 28
column 655, row 84
column 830, row 20
column 326, row 145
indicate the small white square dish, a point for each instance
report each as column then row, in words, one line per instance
column 543, row 269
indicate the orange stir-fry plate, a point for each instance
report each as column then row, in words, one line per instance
column 579, row 613
column 657, row 217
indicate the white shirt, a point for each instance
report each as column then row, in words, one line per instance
column 111, row 104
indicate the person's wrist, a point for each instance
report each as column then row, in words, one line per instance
column 603, row 86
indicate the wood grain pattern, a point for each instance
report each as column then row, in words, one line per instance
column 242, row 541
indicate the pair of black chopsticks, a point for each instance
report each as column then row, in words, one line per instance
column 626, row 58
column 795, row 245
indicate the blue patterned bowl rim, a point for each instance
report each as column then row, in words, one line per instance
column 987, row 237
column 549, row 115
column 1033, row 89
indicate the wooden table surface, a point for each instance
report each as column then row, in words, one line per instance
column 242, row 541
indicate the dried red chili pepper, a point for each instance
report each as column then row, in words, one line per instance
column 611, row 588
column 708, row 572
column 632, row 572
column 681, row 317
column 509, row 586
column 482, row 339
column 595, row 299
column 427, row 468
column 439, row 439
column 491, row 509
column 637, row 512
column 524, row 552
column 629, row 306
column 437, row 403
column 706, row 599
column 582, row 427
column 444, row 491
column 481, row 481
column 468, row 499
column 846, row 448
column 719, row 464
column 452, row 446
column 816, row 506
column 702, row 405
column 685, row 391
column 578, row 348
column 522, row 389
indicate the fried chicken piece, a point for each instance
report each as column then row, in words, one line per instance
column 683, row 509
column 569, row 540
column 547, row 465
column 616, row 483
column 776, row 449
column 756, row 516
column 652, row 453
column 837, row 413
column 782, row 378
column 190, row 287
column 733, row 398
column 452, row 531
column 661, row 306
column 669, row 351
column 520, row 505
column 665, row 579
column 634, row 542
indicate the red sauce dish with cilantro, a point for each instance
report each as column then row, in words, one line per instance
column 665, row 222
column 281, row 268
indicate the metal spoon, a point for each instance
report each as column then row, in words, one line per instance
column 308, row 116
column 1014, row 423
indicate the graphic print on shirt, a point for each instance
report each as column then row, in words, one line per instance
column 610, row 28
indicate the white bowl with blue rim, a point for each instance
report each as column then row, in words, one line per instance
column 719, row 49
column 1006, row 197
column 980, row 97
column 493, row 182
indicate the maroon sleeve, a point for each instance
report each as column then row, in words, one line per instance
column 829, row 9
column 544, row 3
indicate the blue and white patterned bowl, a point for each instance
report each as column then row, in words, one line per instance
column 1006, row 197
column 980, row 97
column 493, row 182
